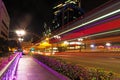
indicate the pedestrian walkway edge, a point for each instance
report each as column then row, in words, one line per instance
column 60, row 76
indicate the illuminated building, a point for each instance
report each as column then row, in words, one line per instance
column 66, row 12
column 4, row 21
column 99, row 29
column 26, row 46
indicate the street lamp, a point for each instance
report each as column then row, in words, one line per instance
column 20, row 39
column 20, row 33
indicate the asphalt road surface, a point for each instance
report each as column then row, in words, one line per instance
column 108, row 63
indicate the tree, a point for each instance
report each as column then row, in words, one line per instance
column 12, row 44
column 3, row 47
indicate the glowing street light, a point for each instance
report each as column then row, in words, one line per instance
column 20, row 32
column 20, row 39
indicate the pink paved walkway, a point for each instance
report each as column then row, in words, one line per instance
column 28, row 69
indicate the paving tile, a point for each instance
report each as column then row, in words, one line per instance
column 28, row 69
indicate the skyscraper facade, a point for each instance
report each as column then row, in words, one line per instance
column 65, row 13
column 4, row 21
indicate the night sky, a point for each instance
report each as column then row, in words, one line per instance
column 33, row 13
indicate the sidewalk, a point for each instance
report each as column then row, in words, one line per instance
column 28, row 69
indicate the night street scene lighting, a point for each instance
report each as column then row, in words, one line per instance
column 20, row 32
column 60, row 40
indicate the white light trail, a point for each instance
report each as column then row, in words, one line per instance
column 96, row 19
column 98, row 34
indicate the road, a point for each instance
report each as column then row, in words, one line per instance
column 108, row 63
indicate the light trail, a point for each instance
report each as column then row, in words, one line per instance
column 99, row 18
column 98, row 34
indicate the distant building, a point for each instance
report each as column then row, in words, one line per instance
column 4, row 21
column 26, row 46
column 66, row 12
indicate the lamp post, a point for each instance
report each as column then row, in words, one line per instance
column 20, row 34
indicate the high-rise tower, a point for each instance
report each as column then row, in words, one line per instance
column 66, row 12
column 4, row 21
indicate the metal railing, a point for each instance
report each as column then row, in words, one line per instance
column 9, row 71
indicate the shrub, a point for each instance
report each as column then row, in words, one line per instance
column 74, row 72
column 4, row 60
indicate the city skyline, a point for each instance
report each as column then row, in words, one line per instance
column 60, row 40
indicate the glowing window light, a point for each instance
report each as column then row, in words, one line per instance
column 75, row 43
column 108, row 44
column 79, row 43
column 47, row 39
column 55, row 48
column 66, row 42
column 80, row 39
column 72, row 43
column 92, row 45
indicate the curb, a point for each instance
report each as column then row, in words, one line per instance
column 60, row 76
